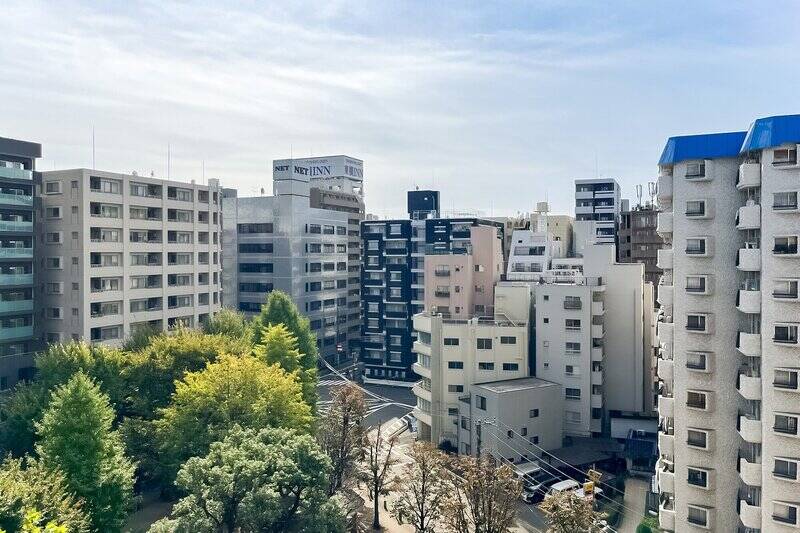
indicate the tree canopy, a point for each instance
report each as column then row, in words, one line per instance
column 75, row 438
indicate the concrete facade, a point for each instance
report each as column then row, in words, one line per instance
column 639, row 242
column 599, row 200
column 118, row 252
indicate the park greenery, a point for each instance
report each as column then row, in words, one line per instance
column 223, row 424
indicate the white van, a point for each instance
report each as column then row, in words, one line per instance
column 567, row 485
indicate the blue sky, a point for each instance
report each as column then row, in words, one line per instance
column 498, row 105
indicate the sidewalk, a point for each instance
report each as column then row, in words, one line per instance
column 635, row 493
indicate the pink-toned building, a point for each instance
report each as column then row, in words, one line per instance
column 459, row 283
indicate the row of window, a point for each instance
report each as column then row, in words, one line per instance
column 488, row 366
column 326, row 229
column 146, row 190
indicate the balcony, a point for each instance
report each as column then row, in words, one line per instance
column 666, row 370
column 16, row 279
column 665, row 294
column 597, row 401
column 666, row 407
column 17, row 226
column 666, row 517
column 749, row 386
column 750, row 429
column 16, row 199
column 421, row 370
column 749, row 259
column 664, row 260
column 748, row 301
column 598, row 331
column 664, row 191
column 16, row 306
column 748, row 217
column 19, row 332
column 16, row 253
column 666, row 444
column 597, row 377
column 749, row 344
column 421, row 347
column 666, row 332
column 15, row 173
column 750, row 515
column 664, row 224
column 666, row 476
column 422, row 416
column 420, row 391
column 750, row 472
column 597, row 353
column 749, row 176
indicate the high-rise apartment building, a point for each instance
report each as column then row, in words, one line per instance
column 599, row 200
column 18, row 182
column 729, row 439
column 119, row 252
column 304, row 240
column 394, row 282
column 639, row 242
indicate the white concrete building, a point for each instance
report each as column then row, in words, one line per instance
column 117, row 252
column 455, row 354
column 729, row 406
column 305, row 241
column 599, row 200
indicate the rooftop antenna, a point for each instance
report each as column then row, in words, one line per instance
column 652, row 189
column 639, row 194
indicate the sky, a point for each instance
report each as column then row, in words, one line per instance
column 496, row 104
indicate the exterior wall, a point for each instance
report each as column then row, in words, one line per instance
column 508, row 407
column 531, row 254
column 18, row 184
column 449, row 282
column 82, row 300
column 599, row 200
column 639, row 242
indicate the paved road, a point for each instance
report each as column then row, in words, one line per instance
column 377, row 411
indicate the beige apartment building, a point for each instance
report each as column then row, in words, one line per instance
column 119, row 252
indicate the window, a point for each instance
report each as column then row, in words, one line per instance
column 455, row 365
column 255, row 268
column 572, row 394
column 786, row 378
column 508, row 340
column 695, row 169
column 785, row 424
column 572, row 370
column 314, row 228
column 697, row 515
column 572, row 323
column 53, row 263
column 572, row 302
column 533, row 413
column 785, row 513
column 785, row 288
column 510, row 367
column 696, row 323
column 451, row 341
column 455, row 388
column 696, row 284
column 696, row 246
column 697, row 400
column 697, row 438
column 695, row 208
column 52, row 213
column 697, row 477
column 785, row 468
column 785, row 334
column 784, row 200
column 573, row 347
column 53, row 237
column 452, row 411
column 784, row 156
column 255, row 228
column 52, row 187
column 698, row 361
column 485, row 344
column 485, row 366
column 785, row 245
column 572, row 417
column 256, row 248
column 480, row 402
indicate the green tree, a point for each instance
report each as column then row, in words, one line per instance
column 140, row 338
column 280, row 309
column 272, row 480
column 19, row 411
column 424, row 488
column 229, row 322
column 75, row 437
column 232, row 391
column 483, row 498
column 341, row 433
column 567, row 512
column 649, row 524
column 34, row 523
column 26, row 485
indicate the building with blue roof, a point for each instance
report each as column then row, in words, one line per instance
column 730, row 219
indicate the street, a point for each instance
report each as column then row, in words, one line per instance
column 378, row 411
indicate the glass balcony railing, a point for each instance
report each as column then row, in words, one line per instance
column 16, row 279
column 15, row 333
column 14, row 306
column 15, row 173
column 16, row 253
column 13, row 225
column 16, row 199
